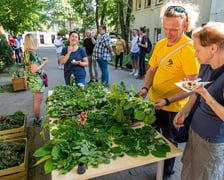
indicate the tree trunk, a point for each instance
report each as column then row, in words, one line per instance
column 97, row 14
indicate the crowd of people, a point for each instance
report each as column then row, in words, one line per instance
column 99, row 51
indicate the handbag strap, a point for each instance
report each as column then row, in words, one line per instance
column 172, row 52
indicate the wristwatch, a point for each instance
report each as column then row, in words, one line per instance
column 167, row 102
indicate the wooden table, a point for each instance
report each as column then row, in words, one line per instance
column 120, row 164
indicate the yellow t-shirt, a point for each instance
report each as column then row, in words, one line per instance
column 174, row 69
column 120, row 46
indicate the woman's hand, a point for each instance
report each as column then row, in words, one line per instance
column 178, row 120
column 45, row 61
column 200, row 90
column 75, row 62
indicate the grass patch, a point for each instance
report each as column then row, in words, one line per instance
column 8, row 71
column 6, row 88
column 127, row 58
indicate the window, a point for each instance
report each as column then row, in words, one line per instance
column 138, row 4
column 157, row 34
column 159, row 2
column 147, row 3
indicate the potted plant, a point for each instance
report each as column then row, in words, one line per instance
column 12, row 126
column 19, row 80
column 14, row 159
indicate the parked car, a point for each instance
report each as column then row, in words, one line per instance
column 113, row 39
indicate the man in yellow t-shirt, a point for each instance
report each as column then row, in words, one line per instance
column 120, row 49
column 161, row 76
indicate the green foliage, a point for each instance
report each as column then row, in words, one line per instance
column 63, row 31
column 15, row 120
column 5, row 54
column 129, row 107
column 19, row 15
column 20, row 72
column 12, row 154
column 103, row 136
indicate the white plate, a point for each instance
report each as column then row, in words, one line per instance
column 180, row 84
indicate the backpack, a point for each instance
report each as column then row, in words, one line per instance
column 149, row 48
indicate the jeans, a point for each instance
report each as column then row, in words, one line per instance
column 77, row 81
column 103, row 64
column 17, row 53
column 164, row 125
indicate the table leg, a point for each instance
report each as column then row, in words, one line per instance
column 159, row 173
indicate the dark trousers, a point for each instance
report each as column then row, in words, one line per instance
column 17, row 53
column 141, row 64
column 164, row 125
column 120, row 56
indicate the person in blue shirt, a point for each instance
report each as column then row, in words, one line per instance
column 75, row 60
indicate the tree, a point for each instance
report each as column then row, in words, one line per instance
column 125, row 18
column 17, row 15
column 5, row 53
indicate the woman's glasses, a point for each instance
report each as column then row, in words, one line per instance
column 178, row 9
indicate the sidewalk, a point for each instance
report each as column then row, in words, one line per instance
column 22, row 100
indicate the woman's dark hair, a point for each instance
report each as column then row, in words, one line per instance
column 73, row 32
column 143, row 29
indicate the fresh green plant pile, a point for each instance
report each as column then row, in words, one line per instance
column 12, row 154
column 18, row 73
column 94, row 127
column 15, row 120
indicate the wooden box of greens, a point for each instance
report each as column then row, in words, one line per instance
column 12, row 126
column 19, row 83
column 14, row 159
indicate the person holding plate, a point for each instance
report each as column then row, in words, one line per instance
column 204, row 151
column 75, row 60
column 172, row 61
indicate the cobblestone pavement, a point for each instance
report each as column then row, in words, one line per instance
column 22, row 100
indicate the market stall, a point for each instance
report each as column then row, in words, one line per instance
column 106, row 130
column 123, row 163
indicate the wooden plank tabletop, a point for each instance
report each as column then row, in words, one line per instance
column 121, row 163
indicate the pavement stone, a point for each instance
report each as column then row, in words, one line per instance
column 22, row 100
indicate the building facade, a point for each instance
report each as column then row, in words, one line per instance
column 147, row 13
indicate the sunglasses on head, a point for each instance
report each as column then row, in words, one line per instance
column 178, row 9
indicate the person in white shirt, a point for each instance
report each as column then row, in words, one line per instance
column 58, row 42
column 134, row 52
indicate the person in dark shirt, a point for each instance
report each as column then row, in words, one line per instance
column 204, row 151
column 88, row 44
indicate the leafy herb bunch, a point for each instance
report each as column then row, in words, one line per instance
column 105, row 134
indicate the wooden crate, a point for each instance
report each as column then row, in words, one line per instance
column 14, row 133
column 17, row 172
column 19, row 83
